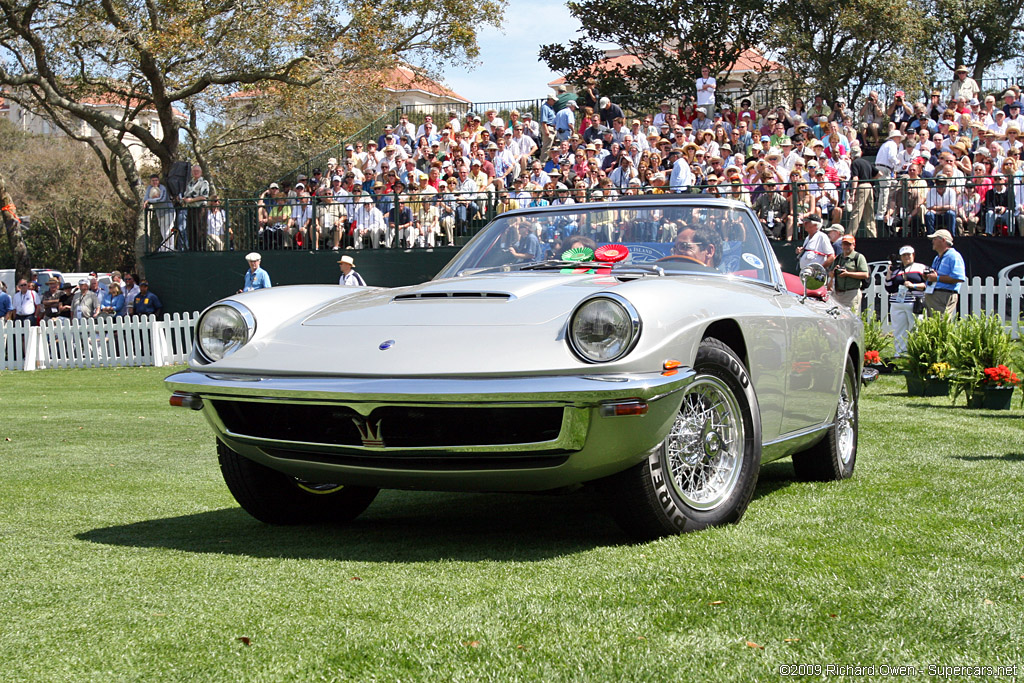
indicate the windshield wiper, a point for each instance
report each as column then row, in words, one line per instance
column 555, row 263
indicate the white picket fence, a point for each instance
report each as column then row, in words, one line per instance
column 977, row 296
column 103, row 342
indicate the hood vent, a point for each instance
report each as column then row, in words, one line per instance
column 455, row 296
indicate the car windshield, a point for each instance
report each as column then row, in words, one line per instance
column 677, row 238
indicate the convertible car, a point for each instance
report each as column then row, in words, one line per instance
column 650, row 348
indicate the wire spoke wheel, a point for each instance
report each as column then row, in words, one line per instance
column 705, row 446
column 846, row 422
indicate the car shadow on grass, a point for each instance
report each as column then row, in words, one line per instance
column 409, row 526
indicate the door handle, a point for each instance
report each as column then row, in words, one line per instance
column 834, row 312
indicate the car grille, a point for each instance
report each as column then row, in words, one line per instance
column 391, row 427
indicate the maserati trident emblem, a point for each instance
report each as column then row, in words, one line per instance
column 385, row 345
column 369, row 431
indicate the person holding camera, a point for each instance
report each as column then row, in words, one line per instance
column 945, row 276
column 905, row 283
column 849, row 275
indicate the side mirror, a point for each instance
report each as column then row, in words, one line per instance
column 813, row 276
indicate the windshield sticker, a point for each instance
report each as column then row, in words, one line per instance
column 753, row 260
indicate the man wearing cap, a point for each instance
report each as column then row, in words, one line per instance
column 885, row 166
column 849, row 275
column 51, row 299
column 255, row 277
column 565, row 121
column 816, row 247
column 609, row 111
column 905, row 284
column 86, row 303
column 349, row 276
column 547, row 120
column 963, row 85
column 945, row 277
column 940, row 206
column 834, row 232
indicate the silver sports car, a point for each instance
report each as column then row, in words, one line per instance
column 649, row 347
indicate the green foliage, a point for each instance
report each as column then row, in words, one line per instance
column 842, row 48
column 672, row 39
column 927, row 344
column 875, row 336
column 75, row 221
column 976, row 342
column 981, row 33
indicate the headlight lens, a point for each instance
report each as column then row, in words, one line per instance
column 603, row 329
column 224, row 329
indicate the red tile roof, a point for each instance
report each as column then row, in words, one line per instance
column 749, row 60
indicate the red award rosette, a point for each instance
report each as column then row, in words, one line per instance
column 611, row 253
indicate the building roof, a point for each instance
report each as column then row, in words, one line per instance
column 749, row 60
column 401, row 78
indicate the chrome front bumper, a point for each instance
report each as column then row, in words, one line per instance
column 591, row 441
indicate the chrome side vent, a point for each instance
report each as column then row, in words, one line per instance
column 450, row 296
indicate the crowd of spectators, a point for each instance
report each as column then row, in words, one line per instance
column 89, row 299
column 950, row 160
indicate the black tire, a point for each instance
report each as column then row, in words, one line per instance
column 833, row 458
column 670, row 492
column 275, row 498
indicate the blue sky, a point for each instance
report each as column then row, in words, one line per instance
column 508, row 67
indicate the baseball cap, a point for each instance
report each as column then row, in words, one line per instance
column 944, row 234
column 906, row 250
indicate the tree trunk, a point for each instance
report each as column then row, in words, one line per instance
column 16, row 242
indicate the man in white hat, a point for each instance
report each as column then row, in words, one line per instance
column 349, row 276
column 885, row 167
column 255, row 277
column 946, row 275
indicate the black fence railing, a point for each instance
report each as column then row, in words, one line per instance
column 430, row 218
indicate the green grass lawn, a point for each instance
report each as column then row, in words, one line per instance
column 124, row 557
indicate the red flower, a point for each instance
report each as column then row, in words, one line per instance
column 1001, row 376
column 872, row 358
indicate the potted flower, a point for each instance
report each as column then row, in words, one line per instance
column 979, row 350
column 926, row 364
column 997, row 389
column 877, row 343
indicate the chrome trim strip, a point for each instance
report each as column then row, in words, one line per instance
column 791, row 443
column 572, row 390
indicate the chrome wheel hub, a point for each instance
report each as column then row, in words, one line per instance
column 705, row 447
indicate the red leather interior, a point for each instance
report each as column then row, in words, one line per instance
column 794, row 285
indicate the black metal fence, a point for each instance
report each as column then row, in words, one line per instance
column 422, row 219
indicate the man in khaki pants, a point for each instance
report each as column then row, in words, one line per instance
column 851, row 271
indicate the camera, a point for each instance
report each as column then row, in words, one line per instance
column 894, row 261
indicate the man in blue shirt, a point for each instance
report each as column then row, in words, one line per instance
column 146, row 302
column 565, row 121
column 5, row 302
column 547, row 120
column 255, row 277
column 947, row 274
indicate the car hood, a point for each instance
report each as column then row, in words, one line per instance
column 481, row 325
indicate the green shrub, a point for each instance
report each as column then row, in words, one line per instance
column 875, row 337
column 975, row 343
column 927, row 344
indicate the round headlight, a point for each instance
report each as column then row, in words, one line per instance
column 224, row 329
column 603, row 329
